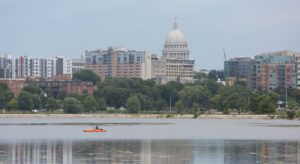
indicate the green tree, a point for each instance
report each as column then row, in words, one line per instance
column 86, row 75
column 13, row 104
column 234, row 97
column 59, row 103
column 133, row 104
column 51, row 104
column 254, row 101
column 196, row 110
column 170, row 92
column 25, row 102
column 159, row 105
column 101, row 106
column 72, row 105
column 5, row 95
column 179, row 107
column 266, row 105
column 292, row 104
column 213, row 75
column 89, row 104
column 115, row 96
column 36, row 100
column 200, row 76
column 194, row 94
column 32, row 89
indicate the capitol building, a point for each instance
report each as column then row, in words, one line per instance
column 174, row 64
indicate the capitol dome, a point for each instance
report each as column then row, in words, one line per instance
column 175, row 36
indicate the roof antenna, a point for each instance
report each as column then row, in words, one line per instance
column 175, row 24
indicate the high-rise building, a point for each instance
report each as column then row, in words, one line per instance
column 48, row 67
column 78, row 64
column 297, row 58
column 6, row 67
column 275, row 70
column 63, row 66
column 174, row 64
column 118, row 62
column 237, row 69
column 30, row 67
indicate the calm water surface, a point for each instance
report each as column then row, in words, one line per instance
column 149, row 141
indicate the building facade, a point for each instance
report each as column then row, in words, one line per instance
column 6, row 67
column 237, row 69
column 63, row 66
column 30, row 67
column 275, row 70
column 174, row 64
column 78, row 64
column 117, row 62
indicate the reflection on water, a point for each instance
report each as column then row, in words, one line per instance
column 150, row 151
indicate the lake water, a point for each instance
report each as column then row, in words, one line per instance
column 149, row 141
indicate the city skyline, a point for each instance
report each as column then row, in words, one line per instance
column 56, row 28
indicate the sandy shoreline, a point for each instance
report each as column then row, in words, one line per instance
column 161, row 116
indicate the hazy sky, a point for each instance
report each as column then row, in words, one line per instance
column 69, row 27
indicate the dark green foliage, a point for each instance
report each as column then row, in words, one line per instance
column 235, row 97
column 196, row 110
column 213, row 75
column 5, row 95
column 89, row 104
column 75, row 95
column 59, row 103
column 32, row 89
column 194, row 94
column 36, row 100
column 86, row 75
column 51, row 104
column 101, row 106
column 12, row 104
column 159, row 105
column 179, row 107
column 25, row 102
column 72, row 105
column 266, row 105
column 133, row 104
column 291, row 114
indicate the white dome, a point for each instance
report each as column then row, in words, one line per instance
column 175, row 36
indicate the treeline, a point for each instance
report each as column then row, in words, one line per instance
column 137, row 95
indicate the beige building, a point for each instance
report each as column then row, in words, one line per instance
column 174, row 64
column 119, row 62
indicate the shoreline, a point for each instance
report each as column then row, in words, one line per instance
column 142, row 116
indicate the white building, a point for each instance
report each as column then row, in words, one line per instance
column 146, row 66
column 174, row 64
column 63, row 66
column 78, row 64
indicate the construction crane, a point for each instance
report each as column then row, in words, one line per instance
column 224, row 54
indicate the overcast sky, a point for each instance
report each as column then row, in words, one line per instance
column 69, row 27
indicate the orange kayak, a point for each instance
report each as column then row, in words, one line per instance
column 94, row 130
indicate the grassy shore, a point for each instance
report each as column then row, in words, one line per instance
column 172, row 116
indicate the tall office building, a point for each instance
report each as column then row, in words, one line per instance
column 174, row 64
column 30, row 67
column 6, row 67
column 118, row 62
column 297, row 59
column 275, row 70
column 237, row 69
column 63, row 66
